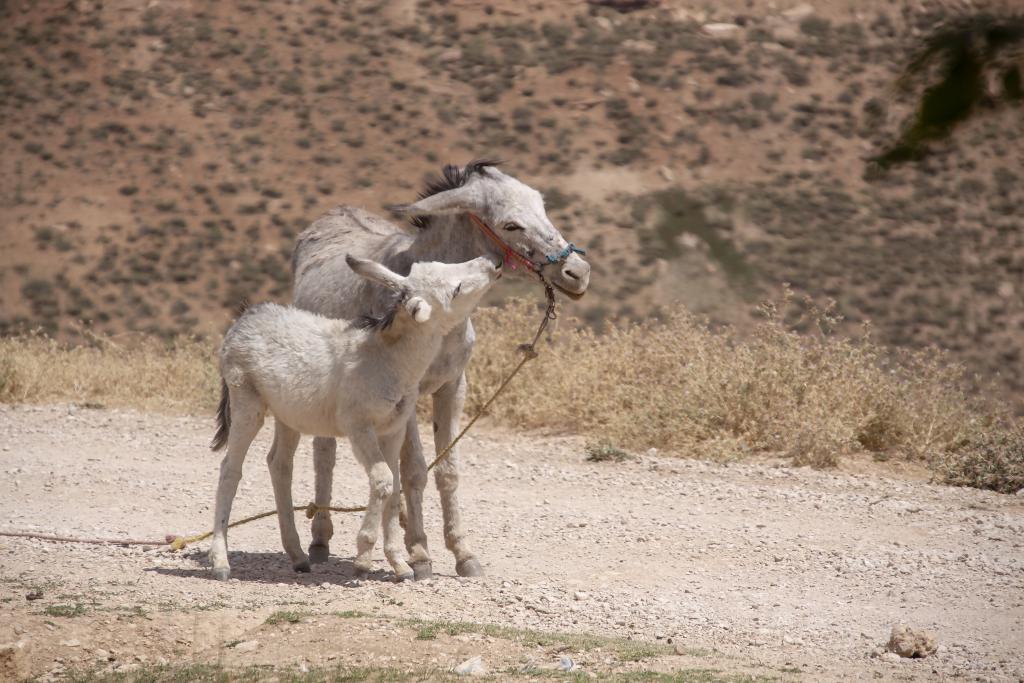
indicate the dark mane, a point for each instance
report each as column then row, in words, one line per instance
column 369, row 322
column 451, row 177
column 383, row 322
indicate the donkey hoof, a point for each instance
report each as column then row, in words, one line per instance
column 405, row 576
column 423, row 570
column 319, row 552
column 361, row 573
column 469, row 567
column 302, row 566
column 222, row 573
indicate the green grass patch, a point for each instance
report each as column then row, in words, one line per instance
column 626, row 650
column 285, row 617
column 75, row 610
column 353, row 614
column 605, row 452
column 209, row 673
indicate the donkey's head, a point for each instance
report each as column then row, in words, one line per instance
column 508, row 221
column 443, row 294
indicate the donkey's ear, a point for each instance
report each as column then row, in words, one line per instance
column 371, row 270
column 458, row 200
column 418, row 308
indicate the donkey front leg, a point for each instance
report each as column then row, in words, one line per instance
column 382, row 487
column 324, row 456
column 414, row 481
column 246, row 411
column 448, row 401
column 279, row 461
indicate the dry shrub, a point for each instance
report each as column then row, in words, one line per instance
column 138, row 372
column 682, row 386
column 988, row 459
column 675, row 384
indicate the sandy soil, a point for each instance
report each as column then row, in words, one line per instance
column 745, row 568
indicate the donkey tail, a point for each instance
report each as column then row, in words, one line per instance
column 223, row 419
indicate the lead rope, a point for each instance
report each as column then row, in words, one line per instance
column 177, row 542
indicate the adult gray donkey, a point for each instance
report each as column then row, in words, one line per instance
column 467, row 212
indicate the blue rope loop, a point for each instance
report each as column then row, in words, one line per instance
column 566, row 252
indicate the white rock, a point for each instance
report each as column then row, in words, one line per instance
column 644, row 46
column 247, row 646
column 799, row 13
column 474, row 666
column 688, row 16
column 452, row 55
column 785, row 34
column 721, row 30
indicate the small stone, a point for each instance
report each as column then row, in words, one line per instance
column 565, row 663
column 474, row 666
column 721, row 30
column 907, row 642
column 14, row 664
column 580, row 595
column 642, row 46
column 452, row 55
column 890, row 657
column 785, row 34
column 71, row 642
column 799, row 13
column 247, row 646
column 679, row 648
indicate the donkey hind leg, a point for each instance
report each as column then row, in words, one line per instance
column 414, row 481
column 394, row 548
column 447, row 404
column 279, row 461
column 324, row 450
column 247, row 411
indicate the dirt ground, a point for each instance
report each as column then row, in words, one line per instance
column 682, row 567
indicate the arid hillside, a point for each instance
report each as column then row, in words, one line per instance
column 160, row 157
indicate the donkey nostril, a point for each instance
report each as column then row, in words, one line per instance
column 568, row 273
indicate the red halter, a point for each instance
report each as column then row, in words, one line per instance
column 512, row 257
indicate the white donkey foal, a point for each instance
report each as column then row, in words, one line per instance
column 332, row 378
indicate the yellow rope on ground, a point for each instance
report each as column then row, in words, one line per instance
column 176, row 542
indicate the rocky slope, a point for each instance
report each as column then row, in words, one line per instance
column 159, row 159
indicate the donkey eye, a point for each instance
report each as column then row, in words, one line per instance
column 458, row 288
column 512, row 227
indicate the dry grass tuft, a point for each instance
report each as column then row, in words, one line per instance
column 681, row 386
column 991, row 459
column 139, row 372
column 675, row 384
